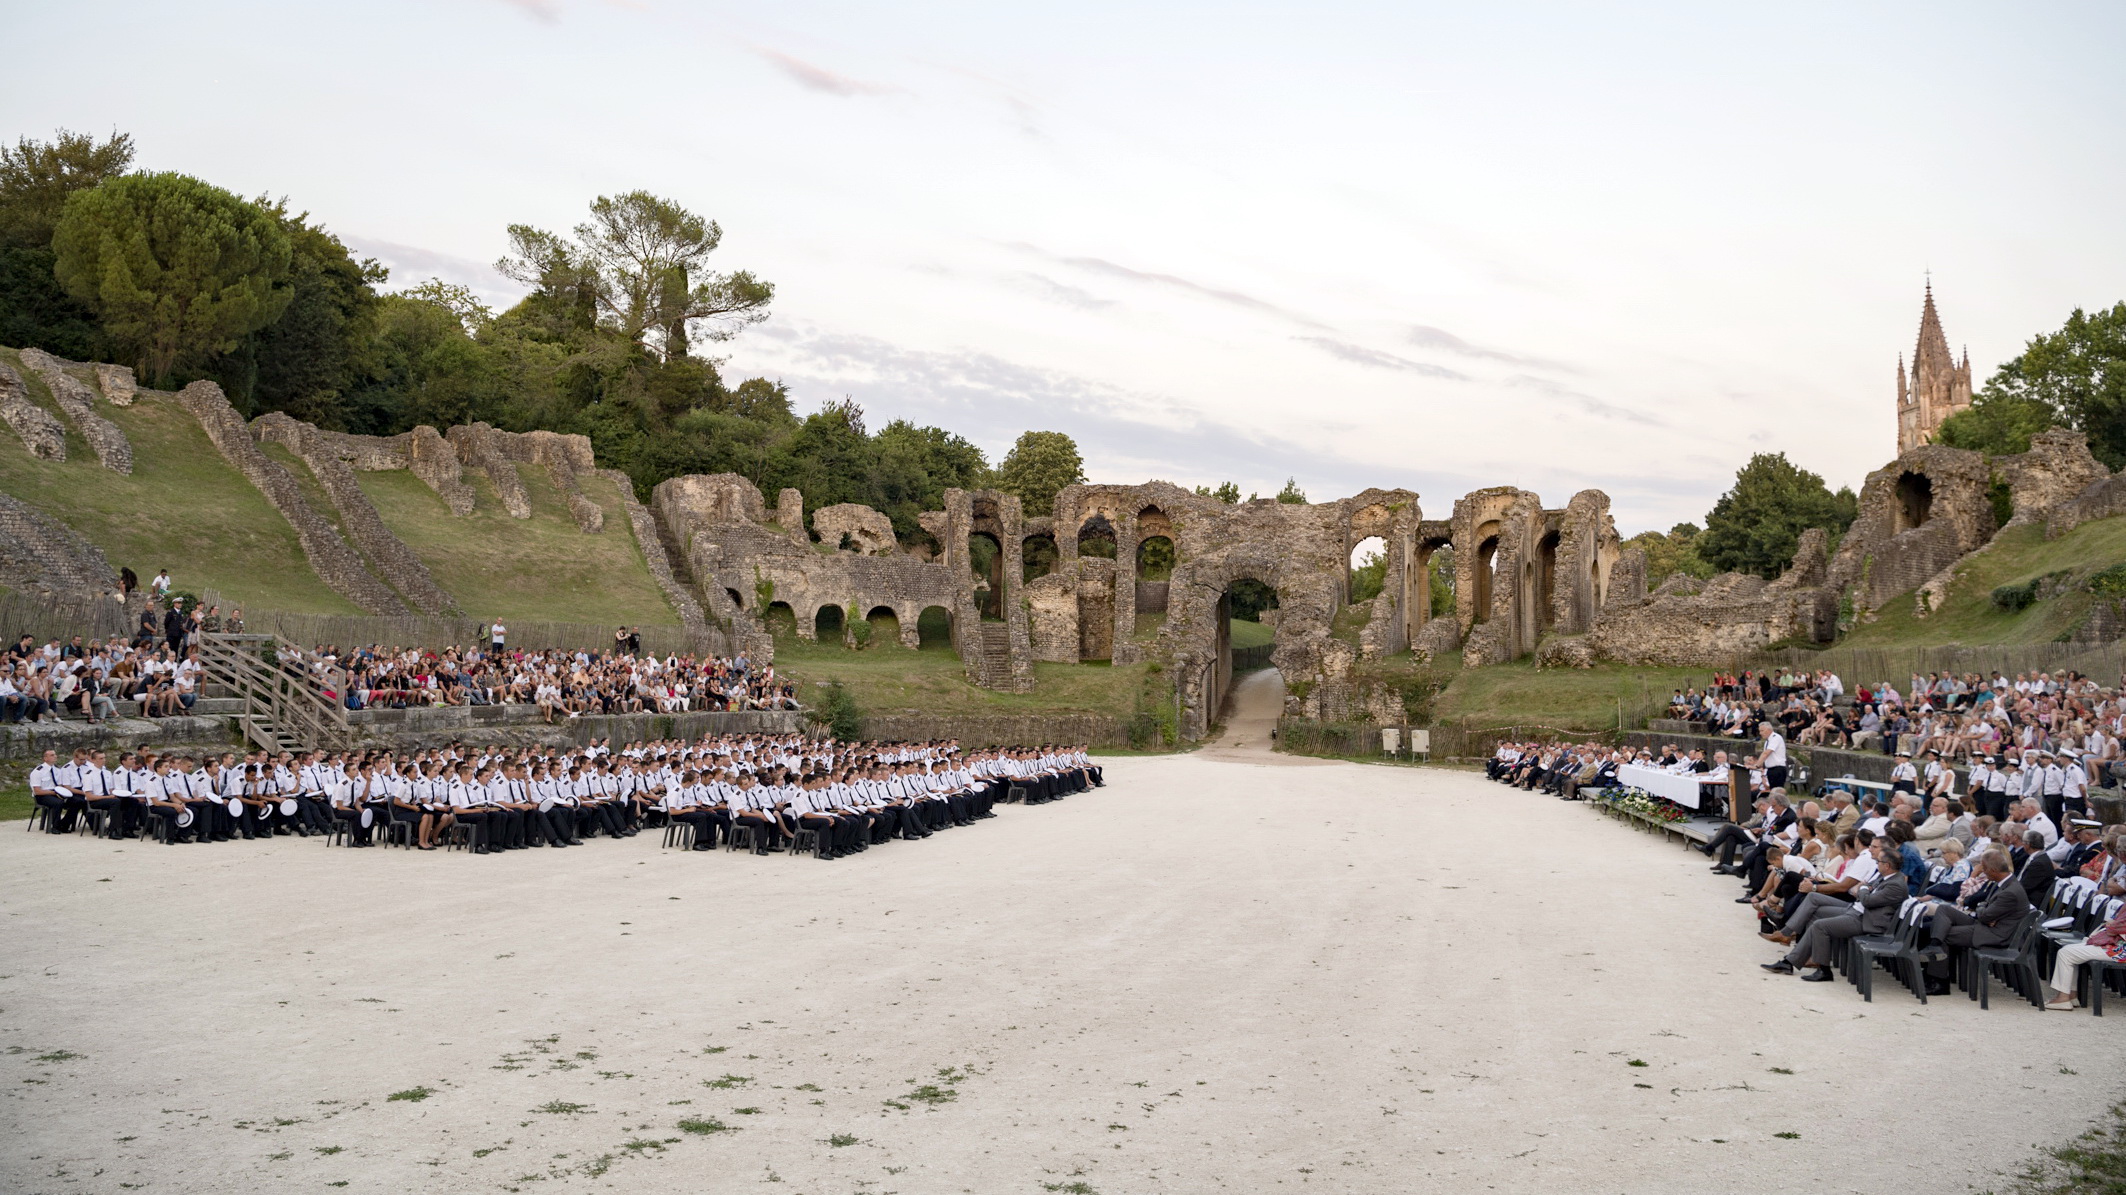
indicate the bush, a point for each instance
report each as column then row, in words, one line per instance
column 837, row 712
column 2017, row 598
column 2110, row 582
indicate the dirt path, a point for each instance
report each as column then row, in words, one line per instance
column 1257, row 703
column 1206, row 977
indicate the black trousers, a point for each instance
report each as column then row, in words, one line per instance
column 121, row 815
column 1725, row 842
column 65, row 811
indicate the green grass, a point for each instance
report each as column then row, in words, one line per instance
column 1968, row 616
column 1251, row 634
column 182, row 506
column 538, row 569
column 2092, row 1164
column 1519, row 694
column 15, row 803
column 887, row 678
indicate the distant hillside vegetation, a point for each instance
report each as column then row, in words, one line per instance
column 186, row 508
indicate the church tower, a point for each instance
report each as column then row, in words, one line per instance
column 1939, row 387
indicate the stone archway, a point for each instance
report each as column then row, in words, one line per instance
column 933, row 628
column 885, row 624
column 1915, row 500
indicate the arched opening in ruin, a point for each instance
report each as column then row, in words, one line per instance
column 736, row 600
column 933, row 629
column 985, row 558
column 1915, row 500
column 1594, row 582
column 827, row 622
column 1246, row 636
column 1435, row 581
column 1037, row 556
column 780, row 619
column 1526, row 615
column 885, row 625
column 1369, row 569
column 1155, row 571
column 1546, row 581
column 1487, row 552
column 1096, row 537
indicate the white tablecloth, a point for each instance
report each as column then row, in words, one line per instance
column 1683, row 789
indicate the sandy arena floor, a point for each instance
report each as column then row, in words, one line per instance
column 1214, row 974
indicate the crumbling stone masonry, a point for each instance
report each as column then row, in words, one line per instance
column 40, row 553
column 326, row 454
column 118, row 383
column 41, row 433
column 79, row 404
column 336, row 564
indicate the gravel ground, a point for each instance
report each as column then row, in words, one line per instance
column 1211, row 975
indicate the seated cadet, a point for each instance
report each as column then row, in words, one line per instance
column 108, row 792
column 753, row 806
column 52, row 787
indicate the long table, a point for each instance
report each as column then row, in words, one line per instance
column 1682, row 789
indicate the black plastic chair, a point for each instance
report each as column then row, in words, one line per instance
column 680, row 834
column 1904, row 952
column 2018, row 957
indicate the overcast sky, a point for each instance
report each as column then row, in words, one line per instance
column 1410, row 244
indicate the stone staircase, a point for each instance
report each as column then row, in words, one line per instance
column 991, row 659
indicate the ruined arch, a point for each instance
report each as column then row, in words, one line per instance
column 1486, row 562
column 1546, row 582
column 1365, row 567
column 736, row 600
column 1096, row 537
column 780, row 619
column 1915, row 500
column 985, row 559
column 885, row 624
column 828, row 620
column 933, row 628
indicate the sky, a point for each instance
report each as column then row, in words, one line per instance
column 1434, row 246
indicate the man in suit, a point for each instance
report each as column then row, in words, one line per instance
column 1877, row 904
column 2038, row 869
column 1993, row 923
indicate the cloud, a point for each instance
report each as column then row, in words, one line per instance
column 1126, row 436
column 817, row 78
column 411, row 265
column 1586, row 402
column 1234, row 298
column 1375, row 359
column 1059, row 292
column 1439, row 338
column 544, row 10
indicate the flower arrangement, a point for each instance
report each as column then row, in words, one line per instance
column 1644, row 804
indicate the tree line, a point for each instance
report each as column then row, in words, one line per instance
column 184, row 280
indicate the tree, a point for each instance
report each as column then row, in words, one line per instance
column 1038, row 466
column 177, row 270
column 1674, row 552
column 641, row 262
column 2077, row 375
column 36, row 178
column 1997, row 423
column 319, row 348
column 1755, row 526
column 1291, row 494
column 1369, row 575
column 1226, row 492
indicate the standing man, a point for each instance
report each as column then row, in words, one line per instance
column 1772, row 751
column 496, row 636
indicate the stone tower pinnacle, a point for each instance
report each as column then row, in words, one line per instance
column 1940, row 386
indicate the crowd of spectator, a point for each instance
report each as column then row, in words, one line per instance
column 561, row 683
column 2035, row 720
column 88, row 679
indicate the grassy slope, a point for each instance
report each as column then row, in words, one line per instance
column 887, row 678
column 182, row 506
column 2016, row 555
column 537, row 569
column 1251, row 634
column 1518, row 694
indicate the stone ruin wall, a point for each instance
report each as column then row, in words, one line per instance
column 1555, row 582
column 78, row 402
